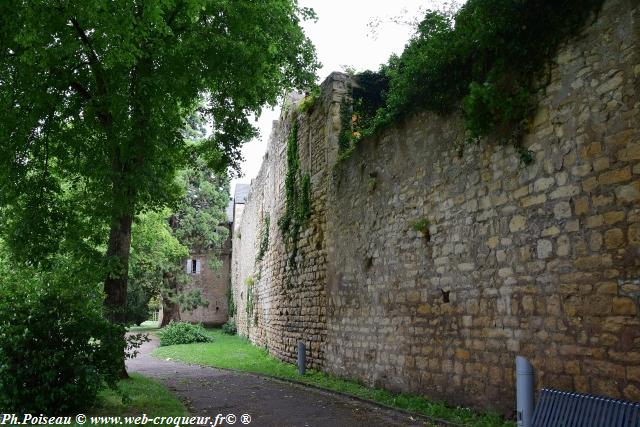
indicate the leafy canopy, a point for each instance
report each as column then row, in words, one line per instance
column 94, row 96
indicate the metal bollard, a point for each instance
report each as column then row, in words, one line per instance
column 302, row 357
column 524, row 392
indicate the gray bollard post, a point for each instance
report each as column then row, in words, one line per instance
column 524, row 392
column 302, row 357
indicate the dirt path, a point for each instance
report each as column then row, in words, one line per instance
column 211, row 391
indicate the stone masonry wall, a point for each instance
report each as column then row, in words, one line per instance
column 213, row 286
column 541, row 261
column 288, row 303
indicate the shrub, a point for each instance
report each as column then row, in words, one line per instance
column 485, row 61
column 230, row 328
column 56, row 348
column 183, row 333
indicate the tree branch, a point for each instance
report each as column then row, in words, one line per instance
column 103, row 114
column 81, row 90
column 93, row 56
column 94, row 61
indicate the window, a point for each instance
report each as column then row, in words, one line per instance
column 193, row 266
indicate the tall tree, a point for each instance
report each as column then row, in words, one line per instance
column 94, row 95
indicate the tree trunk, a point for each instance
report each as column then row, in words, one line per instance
column 170, row 307
column 115, row 285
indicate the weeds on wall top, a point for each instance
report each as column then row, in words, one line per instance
column 297, row 196
column 309, row 100
column 483, row 60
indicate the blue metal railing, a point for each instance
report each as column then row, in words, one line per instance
column 565, row 409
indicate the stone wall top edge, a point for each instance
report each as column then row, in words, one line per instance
column 273, row 142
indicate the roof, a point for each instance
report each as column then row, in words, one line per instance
column 240, row 195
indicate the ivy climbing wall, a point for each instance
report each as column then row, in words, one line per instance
column 427, row 268
column 280, row 292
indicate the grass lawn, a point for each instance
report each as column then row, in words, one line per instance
column 144, row 396
column 234, row 352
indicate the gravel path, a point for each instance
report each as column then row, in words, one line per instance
column 210, row 391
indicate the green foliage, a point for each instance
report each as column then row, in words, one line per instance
column 95, row 96
column 155, row 251
column 309, row 100
column 305, row 197
column 264, row 238
column 421, row 226
column 297, row 196
column 231, row 302
column 56, row 348
column 162, row 240
column 182, row 333
column 345, row 136
column 199, row 220
column 137, row 304
column 155, row 264
column 230, row 328
column 249, row 302
column 372, row 183
column 484, row 59
column 369, row 94
column 144, row 396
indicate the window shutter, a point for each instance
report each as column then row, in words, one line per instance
column 198, row 266
column 188, row 266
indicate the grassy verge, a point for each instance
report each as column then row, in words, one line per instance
column 233, row 352
column 142, row 396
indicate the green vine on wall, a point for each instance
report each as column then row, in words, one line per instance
column 264, row 238
column 230, row 302
column 249, row 304
column 345, row 138
column 297, row 196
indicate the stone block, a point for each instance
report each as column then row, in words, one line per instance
column 613, row 217
column 562, row 210
column 533, row 200
column 624, row 306
column 565, row 191
column 542, row 184
column 629, row 193
column 632, row 152
column 544, row 248
column 615, row 176
column 563, row 246
column 613, row 238
column 594, row 221
column 581, row 205
column 517, row 223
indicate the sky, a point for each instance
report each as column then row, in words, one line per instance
column 342, row 37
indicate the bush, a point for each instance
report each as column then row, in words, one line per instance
column 56, row 348
column 485, row 60
column 230, row 328
column 183, row 333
